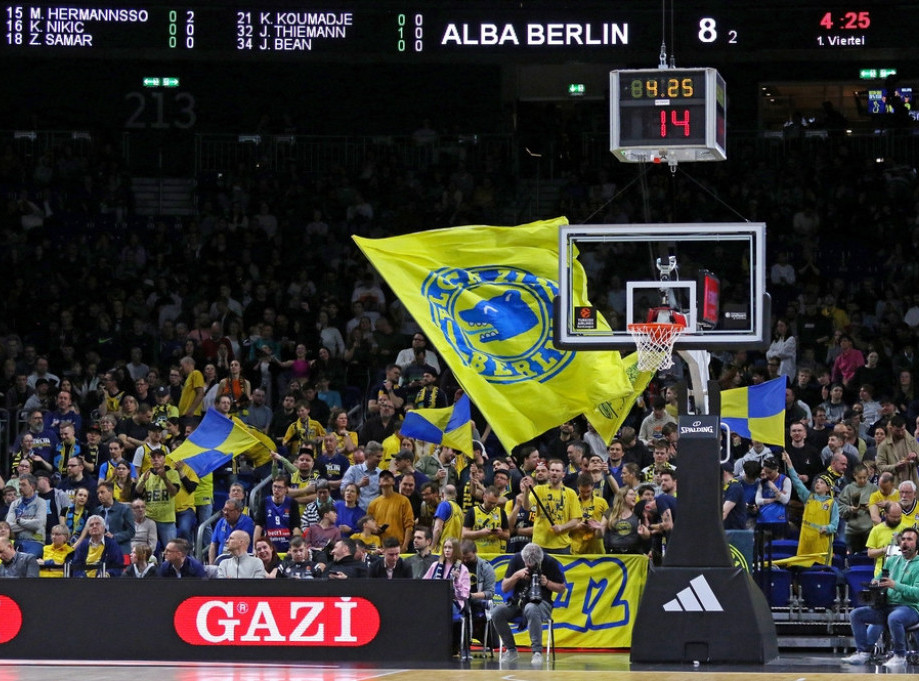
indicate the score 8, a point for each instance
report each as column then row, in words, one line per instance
column 708, row 32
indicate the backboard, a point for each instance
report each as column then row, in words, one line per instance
column 713, row 274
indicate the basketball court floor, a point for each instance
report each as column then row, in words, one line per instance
column 567, row 667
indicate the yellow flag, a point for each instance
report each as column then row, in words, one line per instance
column 484, row 296
column 607, row 417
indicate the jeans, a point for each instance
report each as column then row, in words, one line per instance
column 534, row 614
column 165, row 532
column 186, row 522
column 204, row 512
column 868, row 625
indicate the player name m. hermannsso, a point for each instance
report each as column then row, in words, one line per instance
column 535, row 34
column 112, row 15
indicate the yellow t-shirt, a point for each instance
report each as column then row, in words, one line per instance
column 298, row 433
column 372, row 541
column 878, row 496
column 586, row 541
column 194, row 381
column 93, row 556
column 563, row 506
column 52, row 554
column 161, row 507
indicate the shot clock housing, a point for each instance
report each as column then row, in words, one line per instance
column 667, row 115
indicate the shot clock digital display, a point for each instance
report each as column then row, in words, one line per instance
column 672, row 114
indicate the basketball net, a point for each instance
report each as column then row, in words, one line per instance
column 654, row 339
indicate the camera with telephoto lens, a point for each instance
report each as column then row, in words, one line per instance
column 875, row 595
column 531, row 594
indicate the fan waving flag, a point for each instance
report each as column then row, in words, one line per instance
column 484, row 297
column 451, row 426
column 213, row 443
column 757, row 411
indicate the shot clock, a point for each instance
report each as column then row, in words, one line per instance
column 667, row 115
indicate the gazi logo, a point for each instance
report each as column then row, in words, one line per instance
column 253, row 621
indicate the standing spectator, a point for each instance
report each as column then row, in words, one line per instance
column 118, row 519
column 192, row 394
column 392, row 511
column 278, row 516
column 27, row 516
column 847, row 361
column 158, row 487
column 784, row 348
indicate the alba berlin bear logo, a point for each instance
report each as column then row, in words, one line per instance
column 498, row 320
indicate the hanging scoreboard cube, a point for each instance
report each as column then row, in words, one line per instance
column 667, row 115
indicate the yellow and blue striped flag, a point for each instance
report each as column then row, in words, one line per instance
column 484, row 297
column 757, row 411
column 450, row 426
column 213, row 443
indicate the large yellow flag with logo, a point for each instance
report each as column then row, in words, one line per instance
column 484, row 296
column 608, row 416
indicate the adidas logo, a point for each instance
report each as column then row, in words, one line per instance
column 697, row 597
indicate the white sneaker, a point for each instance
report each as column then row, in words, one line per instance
column 857, row 658
column 536, row 660
column 510, row 655
column 896, row 661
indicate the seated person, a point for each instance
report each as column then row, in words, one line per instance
column 97, row 551
column 531, row 567
column 369, row 533
column 56, row 553
column 297, row 563
column 900, row 578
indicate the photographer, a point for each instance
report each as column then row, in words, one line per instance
column 533, row 578
column 900, row 610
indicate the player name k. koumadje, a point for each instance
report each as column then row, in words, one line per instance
column 536, row 34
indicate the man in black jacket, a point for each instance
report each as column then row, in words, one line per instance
column 391, row 566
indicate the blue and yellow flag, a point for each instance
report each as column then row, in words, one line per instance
column 757, row 411
column 484, row 297
column 213, row 443
column 607, row 417
column 451, row 426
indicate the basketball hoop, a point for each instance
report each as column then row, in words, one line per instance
column 654, row 341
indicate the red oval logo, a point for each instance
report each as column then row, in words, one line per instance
column 279, row 621
column 10, row 619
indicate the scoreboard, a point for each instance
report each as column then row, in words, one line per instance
column 594, row 30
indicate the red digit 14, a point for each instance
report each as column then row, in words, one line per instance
column 675, row 120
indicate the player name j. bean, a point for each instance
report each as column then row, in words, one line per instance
column 561, row 34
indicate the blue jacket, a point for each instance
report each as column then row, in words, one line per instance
column 112, row 557
column 120, row 522
column 191, row 569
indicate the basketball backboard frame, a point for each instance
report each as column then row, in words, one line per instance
column 748, row 311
